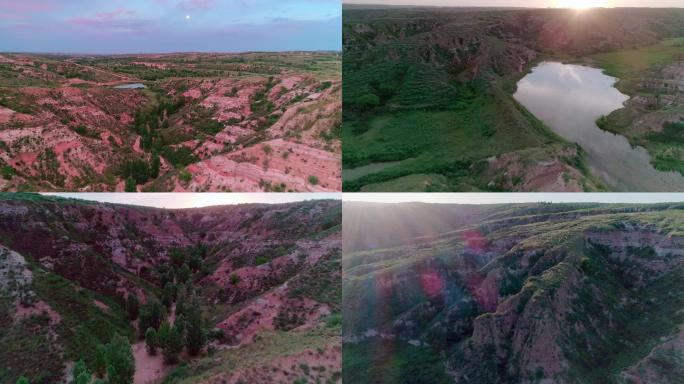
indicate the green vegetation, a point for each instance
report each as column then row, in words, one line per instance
column 392, row 362
column 119, row 360
column 617, row 308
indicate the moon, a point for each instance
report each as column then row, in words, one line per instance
column 187, row 17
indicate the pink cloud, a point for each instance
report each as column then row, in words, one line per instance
column 194, row 4
column 28, row 5
column 120, row 18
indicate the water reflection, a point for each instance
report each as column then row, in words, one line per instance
column 569, row 99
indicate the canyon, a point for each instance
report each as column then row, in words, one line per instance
column 513, row 293
column 266, row 279
column 428, row 94
column 200, row 122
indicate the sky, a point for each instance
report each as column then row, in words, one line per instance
column 153, row 26
column 529, row 3
column 193, row 200
column 500, row 198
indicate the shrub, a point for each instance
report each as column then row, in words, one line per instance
column 185, row 176
column 170, row 341
column 132, row 306
column 151, row 341
column 120, row 362
column 196, row 336
column 313, row 180
column 130, row 185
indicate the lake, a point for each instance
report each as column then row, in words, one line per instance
column 569, row 99
column 131, row 86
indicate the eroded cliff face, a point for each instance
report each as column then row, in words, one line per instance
column 586, row 295
column 477, row 42
column 260, row 269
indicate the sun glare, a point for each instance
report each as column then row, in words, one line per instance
column 581, row 4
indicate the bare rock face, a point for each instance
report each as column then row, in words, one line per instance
column 526, row 293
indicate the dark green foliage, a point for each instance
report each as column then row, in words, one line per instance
column 183, row 274
column 83, row 378
column 154, row 166
column 130, row 185
column 180, row 156
column 120, row 362
column 234, row 278
column 383, row 361
column 168, row 294
column 209, row 126
column 170, row 341
column 151, row 341
column 151, row 316
column 23, row 380
column 136, row 169
column 196, row 335
column 132, row 306
column 7, row 172
column 100, row 361
column 177, row 256
column 80, row 368
column 313, row 180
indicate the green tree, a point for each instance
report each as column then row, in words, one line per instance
column 168, row 294
column 171, row 342
column 196, row 335
column 151, row 316
column 23, row 380
column 100, row 363
column 183, row 274
column 79, row 367
column 120, row 362
column 177, row 257
column 154, row 166
column 83, row 378
column 132, row 306
column 130, row 185
column 80, row 373
column 151, row 341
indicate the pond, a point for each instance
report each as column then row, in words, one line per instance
column 569, row 99
column 131, row 86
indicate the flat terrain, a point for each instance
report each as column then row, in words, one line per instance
column 514, row 293
column 203, row 122
column 427, row 93
column 262, row 282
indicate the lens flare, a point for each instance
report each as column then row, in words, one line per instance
column 581, row 4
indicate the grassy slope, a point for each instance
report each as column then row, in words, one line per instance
column 653, row 315
column 631, row 67
column 437, row 124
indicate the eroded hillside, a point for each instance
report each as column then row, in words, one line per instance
column 266, row 278
column 427, row 94
column 204, row 122
column 520, row 294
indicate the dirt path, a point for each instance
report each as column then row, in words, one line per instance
column 150, row 369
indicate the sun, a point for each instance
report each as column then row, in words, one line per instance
column 581, row 4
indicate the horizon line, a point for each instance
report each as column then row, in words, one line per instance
column 164, row 52
column 500, row 6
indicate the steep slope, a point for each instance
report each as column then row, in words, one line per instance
column 204, row 122
column 266, row 277
column 522, row 294
column 427, row 94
